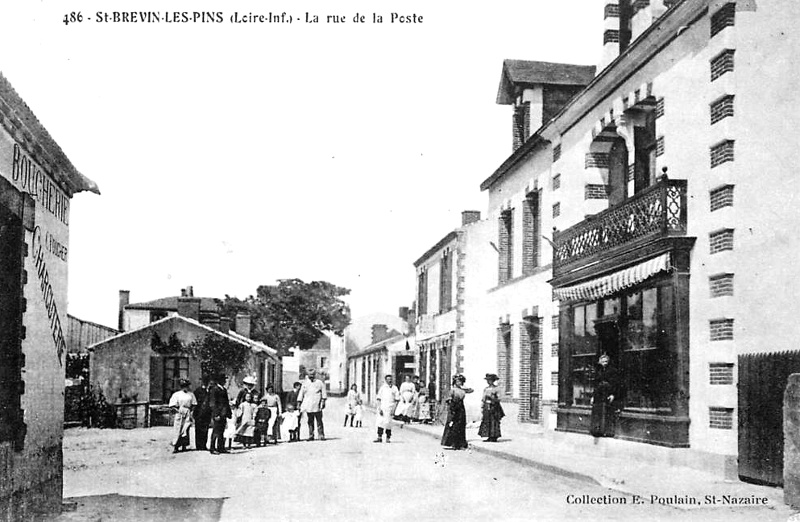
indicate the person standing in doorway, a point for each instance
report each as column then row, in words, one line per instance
column 387, row 398
column 312, row 399
column 219, row 405
column 603, row 420
column 202, row 415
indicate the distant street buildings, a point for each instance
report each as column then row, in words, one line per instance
column 37, row 182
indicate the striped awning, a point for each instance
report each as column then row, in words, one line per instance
column 613, row 283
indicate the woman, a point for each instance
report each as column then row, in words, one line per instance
column 407, row 392
column 182, row 403
column 455, row 429
column 353, row 398
column 491, row 409
column 603, row 420
column 274, row 407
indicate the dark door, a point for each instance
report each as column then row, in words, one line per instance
column 534, row 328
column 762, row 383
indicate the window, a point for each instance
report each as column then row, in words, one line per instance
column 504, row 363
column 724, row 17
column 446, row 282
column 646, row 147
column 156, row 315
column 323, row 362
column 633, row 328
column 531, row 229
column 721, row 64
column 506, row 246
column 721, row 153
column 175, row 369
column 720, row 240
column 422, row 292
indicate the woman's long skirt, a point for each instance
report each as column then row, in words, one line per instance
column 490, row 422
column 180, row 426
column 455, row 428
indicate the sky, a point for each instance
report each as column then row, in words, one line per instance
column 233, row 155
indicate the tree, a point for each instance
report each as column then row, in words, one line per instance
column 218, row 355
column 293, row 313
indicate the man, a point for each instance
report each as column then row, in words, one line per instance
column 220, row 408
column 248, row 386
column 312, row 399
column 202, row 415
column 387, row 399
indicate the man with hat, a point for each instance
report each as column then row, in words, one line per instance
column 312, row 399
column 202, row 415
column 220, row 408
column 248, row 387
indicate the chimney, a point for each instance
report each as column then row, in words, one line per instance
column 379, row 333
column 403, row 313
column 183, row 292
column 189, row 291
column 470, row 216
column 124, row 300
column 242, row 324
column 412, row 318
column 224, row 324
column 189, row 307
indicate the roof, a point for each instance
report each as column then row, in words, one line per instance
column 207, row 304
column 524, row 72
column 435, row 248
column 255, row 346
column 38, row 142
column 659, row 34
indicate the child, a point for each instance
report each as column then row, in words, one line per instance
column 230, row 427
column 359, row 412
column 290, row 423
column 247, row 422
column 261, row 431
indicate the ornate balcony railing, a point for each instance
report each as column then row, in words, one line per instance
column 658, row 211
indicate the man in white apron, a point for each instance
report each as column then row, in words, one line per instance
column 387, row 399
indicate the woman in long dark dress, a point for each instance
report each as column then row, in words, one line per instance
column 455, row 428
column 603, row 421
column 491, row 409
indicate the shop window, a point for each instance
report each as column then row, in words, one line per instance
column 636, row 336
column 583, row 350
column 175, row 369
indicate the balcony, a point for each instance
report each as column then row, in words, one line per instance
column 653, row 214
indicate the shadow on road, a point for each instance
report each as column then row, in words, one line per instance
column 116, row 507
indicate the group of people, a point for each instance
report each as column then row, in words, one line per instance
column 248, row 419
column 455, row 427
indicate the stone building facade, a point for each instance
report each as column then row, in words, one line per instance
column 662, row 191
column 37, row 183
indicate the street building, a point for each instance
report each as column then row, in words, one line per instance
column 613, row 229
column 389, row 351
column 37, row 183
column 327, row 357
column 139, row 369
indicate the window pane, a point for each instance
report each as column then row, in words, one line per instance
column 591, row 315
column 582, row 377
column 579, row 321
